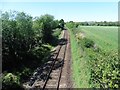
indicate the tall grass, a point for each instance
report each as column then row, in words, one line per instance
column 80, row 67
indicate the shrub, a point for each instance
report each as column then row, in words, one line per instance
column 25, row 73
column 105, row 69
column 87, row 43
column 10, row 81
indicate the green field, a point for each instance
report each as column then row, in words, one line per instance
column 105, row 37
column 92, row 68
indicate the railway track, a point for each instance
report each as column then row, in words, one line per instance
column 54, row 73
column 51, row 75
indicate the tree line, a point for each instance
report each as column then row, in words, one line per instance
column 92, row 23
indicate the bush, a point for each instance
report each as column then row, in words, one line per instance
column 25, row 73
column 10, row 81
column 87, row 43
column 105, row 69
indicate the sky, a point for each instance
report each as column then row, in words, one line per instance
column 59, row 0
column 69, row 11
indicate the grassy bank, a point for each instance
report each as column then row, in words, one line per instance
column 95, row 60
column 80, row 67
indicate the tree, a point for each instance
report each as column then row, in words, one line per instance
column 46, row 23
column 61, row 24
column 55, row 24
column 17, row 39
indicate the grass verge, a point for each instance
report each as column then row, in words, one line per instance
column 80, row 67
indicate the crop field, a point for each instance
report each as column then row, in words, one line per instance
column 105, row 37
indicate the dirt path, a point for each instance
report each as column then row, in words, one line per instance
column 56, row 73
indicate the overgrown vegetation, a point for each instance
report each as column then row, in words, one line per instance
column 102, row 66
column 80, row 67
column 25, row 44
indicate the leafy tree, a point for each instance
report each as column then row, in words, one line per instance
column 46, row 23
column 61, row 24
column 18, row 39
column 55, row 24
